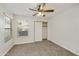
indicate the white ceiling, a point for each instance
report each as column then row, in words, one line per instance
column 23, row 8
column 19, row 8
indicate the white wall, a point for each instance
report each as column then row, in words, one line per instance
column 63, row 29
column 4, row 47
column 23, row 39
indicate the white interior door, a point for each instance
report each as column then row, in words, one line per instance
column 38, row 31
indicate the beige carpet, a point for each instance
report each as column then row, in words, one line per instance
column 43, row 48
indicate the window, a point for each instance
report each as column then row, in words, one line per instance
column 7, row 28
column 22, row 28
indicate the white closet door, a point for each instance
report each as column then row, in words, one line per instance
column 38, row 31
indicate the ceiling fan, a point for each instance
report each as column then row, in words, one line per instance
column 40, row 10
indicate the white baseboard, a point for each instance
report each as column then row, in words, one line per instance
column 65, row 47
column 17, row 43
column 10, row 45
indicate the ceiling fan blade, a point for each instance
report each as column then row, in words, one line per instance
column 35, row 14
column 39, row 7
column 32, row 9
column 44, row 5
column 48, row 10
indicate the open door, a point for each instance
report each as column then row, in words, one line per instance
column 44, row 30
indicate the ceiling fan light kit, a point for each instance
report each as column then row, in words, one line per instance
column 40, row 10
column 40, row 14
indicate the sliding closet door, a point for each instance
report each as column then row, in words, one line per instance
column 38, row 30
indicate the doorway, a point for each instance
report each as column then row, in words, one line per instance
column 40, row 31
column 44, row 30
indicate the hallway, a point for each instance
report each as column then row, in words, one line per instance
column 41, row 48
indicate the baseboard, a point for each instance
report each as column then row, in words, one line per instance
column 7, row 49
column 10, row 46
column 32, row 41
column 65, row 47
column 17, row 43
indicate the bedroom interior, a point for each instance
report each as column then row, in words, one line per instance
column 39, row 29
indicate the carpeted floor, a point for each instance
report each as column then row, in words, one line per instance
column 43, row 48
